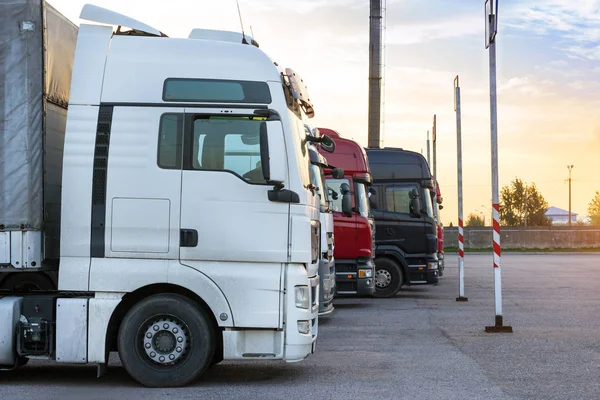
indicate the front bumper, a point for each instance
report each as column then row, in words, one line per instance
column 299, row 345
column 327, row 286
column 347, row 277
column 420, row 275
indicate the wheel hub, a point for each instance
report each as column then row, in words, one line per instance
column 383, row 278
column 165, row 341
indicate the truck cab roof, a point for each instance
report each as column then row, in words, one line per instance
column 398, row 165
column 348, row 154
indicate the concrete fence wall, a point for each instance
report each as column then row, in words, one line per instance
column 527, row 238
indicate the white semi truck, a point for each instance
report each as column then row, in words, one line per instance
column 174, row 208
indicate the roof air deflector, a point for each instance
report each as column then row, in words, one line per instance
column 221, row 36
column 101, row 15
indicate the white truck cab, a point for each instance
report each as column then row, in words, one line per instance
column 188, row 230
column 327, row 261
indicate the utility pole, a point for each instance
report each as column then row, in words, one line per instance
column 491, row 28
column 570, row 168
column 375, row 76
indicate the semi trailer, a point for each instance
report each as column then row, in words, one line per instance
column 169, row 209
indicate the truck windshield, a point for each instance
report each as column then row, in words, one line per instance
column 334, row 184
column 428, row 203
column 316, row 178
column 361, row 199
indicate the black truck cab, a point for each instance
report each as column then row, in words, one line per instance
column 405, row 239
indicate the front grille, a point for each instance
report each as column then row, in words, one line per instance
column 345, row 267
column 349, row 287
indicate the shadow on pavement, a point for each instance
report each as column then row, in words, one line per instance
column 350, row 306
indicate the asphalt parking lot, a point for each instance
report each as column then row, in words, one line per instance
column 420, row 345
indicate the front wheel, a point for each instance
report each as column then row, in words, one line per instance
column 389, row 278
column 166, row 341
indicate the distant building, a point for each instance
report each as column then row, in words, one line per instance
column 558, row 216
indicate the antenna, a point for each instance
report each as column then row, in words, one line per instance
column 244, row 41
column 251, row 32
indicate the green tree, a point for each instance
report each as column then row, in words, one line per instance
column 523, row 205
column 594, row 209
column 475, row 220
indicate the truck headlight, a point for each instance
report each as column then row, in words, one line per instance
column 365, row 273
column 302, row 296
column 432, row 265
column 304, row 327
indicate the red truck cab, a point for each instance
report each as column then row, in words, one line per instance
column 354, row 231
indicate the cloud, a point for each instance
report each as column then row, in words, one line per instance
column 427, row 31
column 575, row 24
column 559, row 63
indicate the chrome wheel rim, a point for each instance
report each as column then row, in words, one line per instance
column 165, row 340
column 383, row 278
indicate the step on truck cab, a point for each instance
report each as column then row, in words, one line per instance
column 353, row 224
column 327, row 261
column 188, row 232
column 405, row 239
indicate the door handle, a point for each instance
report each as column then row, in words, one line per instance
column 390, row 231
column 188, row 238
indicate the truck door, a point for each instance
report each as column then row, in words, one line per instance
column 143, row 187
column 395, row 225
column 229, row 228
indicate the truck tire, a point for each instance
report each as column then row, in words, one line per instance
column 28, row 281
column 166, row 340
column 389, row 278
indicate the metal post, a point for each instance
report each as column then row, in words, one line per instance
column 461, row 240
column 434, row 153
column 570, row 168
column 428, row 150
column 491, row 22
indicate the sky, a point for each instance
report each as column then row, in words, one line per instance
column 548, row 60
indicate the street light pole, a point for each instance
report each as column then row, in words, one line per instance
column 428, row 151
column 570, row 168
column 461, row 239
column 491, row 24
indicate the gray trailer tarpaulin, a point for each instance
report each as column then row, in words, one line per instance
column 33, row 84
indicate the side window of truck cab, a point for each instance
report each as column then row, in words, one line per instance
column 228, row 144
column 397, row 199
column 169, row 141
column 335, row 186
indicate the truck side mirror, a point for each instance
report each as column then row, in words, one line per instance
column 346, row 199
column 272, row 153
column 338, row 173
column 327, row 144
column 334, row 195
column 372, row 190
column 415, row 204
column 441, row 207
